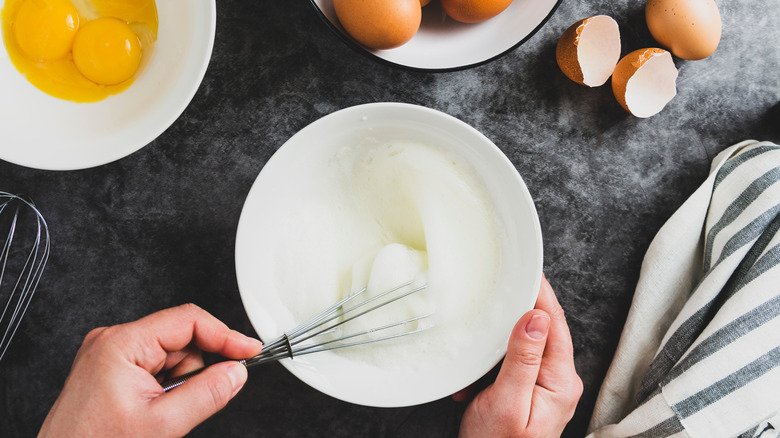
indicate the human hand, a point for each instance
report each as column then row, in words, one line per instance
column 537, row 388
column 112, row 389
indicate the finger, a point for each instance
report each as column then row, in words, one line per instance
column 557, row 373
column 204, row 394
column 170, row 363
column 463, row 395
column 517, row 377
column 175, row 328
column 466, row 393
column 559, row 344
column 184, row 361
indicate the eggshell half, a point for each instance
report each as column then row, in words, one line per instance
column 589, row 50
column 644, row 81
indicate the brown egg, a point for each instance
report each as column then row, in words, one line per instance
column 473, row 11
column 424, row 2
column 379, row 24
column 690, row 29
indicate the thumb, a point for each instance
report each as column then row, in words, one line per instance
column 201, row 396
column 517, row 378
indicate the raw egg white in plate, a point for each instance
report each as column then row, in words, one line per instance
column 425, row 177
column 443, row 44
column 44, row 132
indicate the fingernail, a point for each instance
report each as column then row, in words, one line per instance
column 237, row 375
column 247, row 340
column 255, row 343
column 537, row 327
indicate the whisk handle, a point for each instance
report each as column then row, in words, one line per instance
column 177, row 381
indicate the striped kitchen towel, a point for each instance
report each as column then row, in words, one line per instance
column 699, row 355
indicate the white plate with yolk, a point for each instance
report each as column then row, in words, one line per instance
column 96, row 115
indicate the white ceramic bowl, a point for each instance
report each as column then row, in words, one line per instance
column 44, row 132
column 443, row 44
column 275, row 197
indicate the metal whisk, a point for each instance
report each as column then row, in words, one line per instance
column 294, row 343
column 22, row 260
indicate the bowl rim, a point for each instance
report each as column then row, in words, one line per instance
column 140, row 141
column 362, row 50
column 244, row 279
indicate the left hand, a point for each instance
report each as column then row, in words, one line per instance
column 537, row 388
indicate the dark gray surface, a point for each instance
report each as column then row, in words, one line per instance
column 157, row 228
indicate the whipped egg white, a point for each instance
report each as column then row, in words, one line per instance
column 380, row 215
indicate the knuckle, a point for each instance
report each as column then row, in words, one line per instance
column 577, row 390
column 580, row 387
column 102, row 336
column 95, row 345
column 526, row 357
column 191, row 309
column 93, row 334
column 557, row 314
column 573, row 394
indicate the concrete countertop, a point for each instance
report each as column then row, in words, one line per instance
column 157, row 228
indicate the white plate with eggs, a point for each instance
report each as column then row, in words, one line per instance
column 45, row 132
column 378, row 194
column 443, row 44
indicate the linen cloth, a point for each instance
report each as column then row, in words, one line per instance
column 699, row 355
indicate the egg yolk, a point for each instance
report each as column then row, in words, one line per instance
column 106, row 51
column 40, row 37
column 45, row 29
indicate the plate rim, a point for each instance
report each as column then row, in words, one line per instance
column 361, row 50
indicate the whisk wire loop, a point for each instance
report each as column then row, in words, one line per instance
column 30, row 273
column 336, row 314
column 292, row 343
column 289, row 345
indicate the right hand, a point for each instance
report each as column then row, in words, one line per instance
column 112, row 389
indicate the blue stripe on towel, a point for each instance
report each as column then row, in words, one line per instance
column 728, row 384
column 764, row 228
column 750, row 194
column 729, row 333
column 712, row 394
column 734, row 162
column 748, row 233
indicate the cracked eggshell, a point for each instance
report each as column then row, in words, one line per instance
column 588, row 50
column 644, row 81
